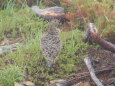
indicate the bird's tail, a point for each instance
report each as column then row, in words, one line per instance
column 50, row 62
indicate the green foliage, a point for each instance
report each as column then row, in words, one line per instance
column 73, row 42
column 22, row 23
column 17, row 23
column 29, row 56
column 99, row 12
column 66, row 64
column 10, row 75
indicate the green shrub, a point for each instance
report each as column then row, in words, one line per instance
column 24, row 24
column 10, row 75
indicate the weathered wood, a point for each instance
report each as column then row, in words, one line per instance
column 93, row 35
column 8, row 48
column 50, row 13
column 92, row 73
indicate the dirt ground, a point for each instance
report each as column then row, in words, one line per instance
column 103, row 62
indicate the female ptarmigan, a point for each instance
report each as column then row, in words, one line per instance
column 50, row 43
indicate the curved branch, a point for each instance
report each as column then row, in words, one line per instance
column 92, row 72
column 93, row 35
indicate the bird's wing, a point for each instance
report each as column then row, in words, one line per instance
column 50, row 46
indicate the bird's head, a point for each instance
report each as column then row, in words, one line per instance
column 54, row 23
column 53, row 27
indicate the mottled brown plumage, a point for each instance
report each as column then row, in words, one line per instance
column 50, row 43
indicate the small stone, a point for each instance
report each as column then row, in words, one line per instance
column 28, row 83
column 82, row 84
column 18, row 84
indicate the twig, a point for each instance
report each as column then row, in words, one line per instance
column 84, row 74
column 77, row 77
column 92, row 73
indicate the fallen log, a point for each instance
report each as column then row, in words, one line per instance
column 51, row 13
column 92, row 73
column 93, row 35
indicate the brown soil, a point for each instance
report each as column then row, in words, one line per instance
column 104, row 65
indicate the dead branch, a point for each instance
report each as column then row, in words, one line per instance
column 8, row 48
column 86, row 74
column 93, row 35
column 92, row 73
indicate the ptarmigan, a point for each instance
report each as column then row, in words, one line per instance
column 50, row 43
